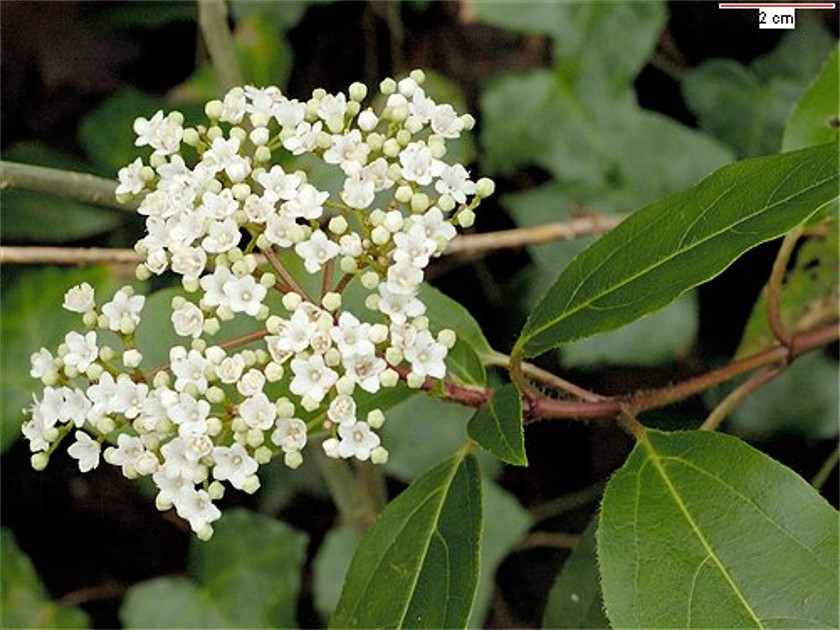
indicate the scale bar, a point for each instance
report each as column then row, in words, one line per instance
column 777, row 5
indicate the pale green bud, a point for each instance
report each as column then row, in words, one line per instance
column 337, row 225
column 419, row 202
column 39, row 461
column 391, row 148
column 291, row 301
column 268, row 280
column 331, row 301
column 262, row 154
column 388, row 86
column 389, row 378
column 348, row 264
column 357, row 92
column 216, row 490
column 415, row 381
column 466, row 218
column 211, row 326
column 263, row 455
column 380, row 235
column 394, row 356
column 215, row 395
column 446, row 203
column 379, row 456
column 404, row 193
column 252, row 484
column 484, row 187
column 214, row 109
column 447, row 337
column 293, row 460
column 370, row 280
column 403, row 137
column 376, row 418
column 191, row 137
column 255, row 438
column 273, row 372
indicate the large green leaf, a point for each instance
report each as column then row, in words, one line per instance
column 575, row 600
column 420, row 432
column 700, row 530
column 816, row 118
column 31, row 317
column 247, row 576
column 23, row 600
column 418, row 565
column 497, row 426
column 505, row 522
column 747, row 106
column 677, row 243
column 809, row 293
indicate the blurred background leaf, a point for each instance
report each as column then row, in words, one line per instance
column 24, row 602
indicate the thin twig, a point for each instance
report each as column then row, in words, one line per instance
column 70, row 184
column 275, row 263
column 37, row 255
column 825, row 470
column 213, row 21
column 545, row 377
column 774, row 285
column 737, row 396
column 519, row 237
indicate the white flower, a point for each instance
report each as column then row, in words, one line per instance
column 279, row 182
column 123, row 311
column 147, row 130
column 455, row 181
column 189, row 414
column 358, row 191
column 446, row 122
column 230, row 369
column 357, row 440
column 331, row 110
column 80, row 298
column 413, row 246
column 290, row 434
column 189, row 370
column 234, row 106
column 306, row 204
column 224, row 155
column 289, row 112
column 316, row 251
column 222, row 236
column 129, row 396
column 213, row 285
column 244, row 295
column 304, row 139
column 426, row 356
column 342, row 410
column 42, row 365
column 188, row 320
column 348, row 151
column 131, row 181
column 102, row 394
column 220, row 205
column 131, row 455
column 251, row 382
column 418, row 163
column 196, row 507
column 404, row 278
column 399, row 306
column 232, row 463
column 434, row 224
column 86, row 450
column 258, row 209
column 278, row 230
column 189, row 262
column 420, row 106
column 312, row 378
column 352, row 336
column 258, row 412
column 364, row 369
column 81, row 350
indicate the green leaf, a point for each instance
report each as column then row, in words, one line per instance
column 330, row 567
column 747, row 106
column 31, row 317
column 444, row 312
column 23, row 600
column 169, row 602
column 816, row 118
column 802, row 401
column 112, row 150
column 657, row 338
column 408, row 432
column 251, row 569
column 418, row 565
column 699, row 529
column 497, row 426
column 575, row 600
column 505, row 523
column 248, row 576
column 30, row 216
column 675, row 244
column 809, row 294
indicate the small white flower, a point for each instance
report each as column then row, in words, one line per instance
column 413, row 246
column 42, row 365
column 316, row 251
column 357, row 440
column 251, row 382
column 189, row 414
column 213, row 285
column 306, row 204
column 404, row 278
column 446, row 122
column 312, row 378
column 455, row 181
column 189, row 370
column 418, row 163
column 131, row 182
column 331, row 110
column 230, row 369
column 123, row 311
column 189, row 262
column 81, row 350
column 358, row 191
column 222, row 236
column 86, row 450
column 232, row 463
column 258, row 412
column 342, row 410
column 80, row 298
column 196, row 507
column 304, row 139
column 244, row 295
column 399, row 306
column 364, row 369
column 290, row 434
column 220, row 205
column 188, row 320
column 426, row 356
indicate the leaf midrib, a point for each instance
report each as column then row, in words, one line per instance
column 676, row 254
column 656, row 462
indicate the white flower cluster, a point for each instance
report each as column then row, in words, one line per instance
column 227, row 213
